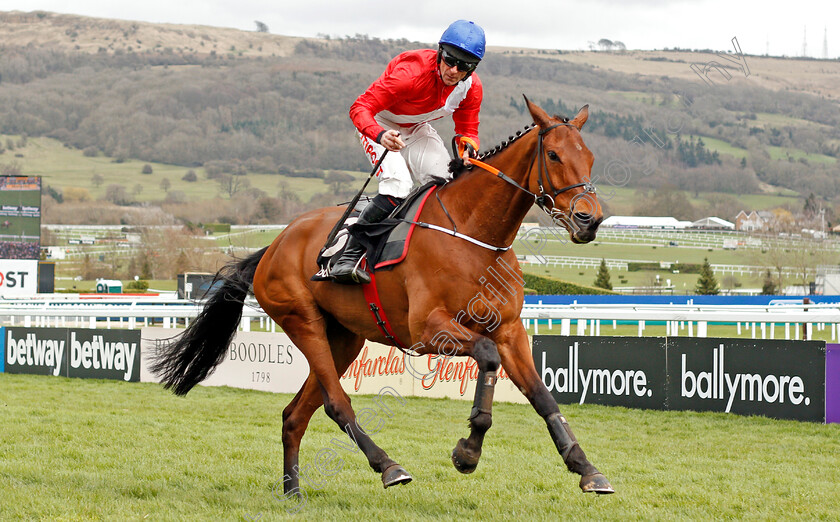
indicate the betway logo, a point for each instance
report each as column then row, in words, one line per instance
column 720, row 385
column 31, row 351
column 98, row 354
column 573, row 379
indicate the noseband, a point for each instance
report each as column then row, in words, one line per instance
column 544, row 196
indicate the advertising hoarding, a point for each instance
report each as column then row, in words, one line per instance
column 619, row 371
column 774, row 378
column 254, row 360
column 38, row 351
column 104, row 354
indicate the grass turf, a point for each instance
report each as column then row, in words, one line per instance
column 89, row 449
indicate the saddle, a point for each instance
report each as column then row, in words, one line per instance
column 386, row 242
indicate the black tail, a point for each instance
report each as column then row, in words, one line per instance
column 185, row 362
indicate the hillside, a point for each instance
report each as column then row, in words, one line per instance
column 78, row 33
column 71, row 33
column 248, row 106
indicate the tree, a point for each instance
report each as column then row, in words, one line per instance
column 11, row 169
column 147, row 169
column 706, row 283
column 602, row 278
column 666, row 201
column 261, row 27
column 769, row 286
column 230, row 185
column 117, row 194
column 165, row 184
column 605, row 44
column 190, row 176
column 97, row 180
column 76, row 194
column 337, row 180
column 811, row 206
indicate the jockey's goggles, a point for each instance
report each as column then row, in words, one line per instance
column 451, row 61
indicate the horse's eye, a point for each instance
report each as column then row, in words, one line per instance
column 553, row 156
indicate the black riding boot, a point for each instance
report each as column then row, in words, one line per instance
column 346, row 270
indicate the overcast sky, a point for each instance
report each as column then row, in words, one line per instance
column 761, row 26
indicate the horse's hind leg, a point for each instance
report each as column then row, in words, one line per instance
column 345, row 347
column 309, row 333
column 296, row 418
column 519, row 364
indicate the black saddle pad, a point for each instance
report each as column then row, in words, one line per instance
column 386, row 242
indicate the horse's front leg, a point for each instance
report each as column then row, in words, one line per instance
column 467, row 451
column 519, row 364
column 450, row 339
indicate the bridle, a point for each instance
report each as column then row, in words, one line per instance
column 559, row 216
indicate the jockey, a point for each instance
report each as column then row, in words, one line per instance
column 394, row 113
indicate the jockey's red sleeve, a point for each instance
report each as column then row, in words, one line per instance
column 410, row 91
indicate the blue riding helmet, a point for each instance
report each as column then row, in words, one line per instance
column 466, row 36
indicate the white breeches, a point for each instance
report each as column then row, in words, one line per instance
column 423, row 157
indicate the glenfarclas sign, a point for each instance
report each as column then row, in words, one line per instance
column 428, row 370
column 365, row 366
column 781, row 379
column 461, row 370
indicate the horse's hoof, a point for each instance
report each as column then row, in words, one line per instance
column 465, row 460
column 596, row 483
column 395, row 474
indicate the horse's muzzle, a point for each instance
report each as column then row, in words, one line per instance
column 586, row 226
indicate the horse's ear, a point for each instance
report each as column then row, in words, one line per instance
column 539, row 115
column 582, row 116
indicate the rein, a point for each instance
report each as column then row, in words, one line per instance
column 539, row 157
column 540, row 199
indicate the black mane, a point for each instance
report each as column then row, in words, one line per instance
column 457, row 167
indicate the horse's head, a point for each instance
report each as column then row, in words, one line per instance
column 560, row 174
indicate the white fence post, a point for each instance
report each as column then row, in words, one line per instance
column 565, row 327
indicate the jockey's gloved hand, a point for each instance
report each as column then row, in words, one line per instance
column 467, row 148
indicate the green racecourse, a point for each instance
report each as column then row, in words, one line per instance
column 100, row 450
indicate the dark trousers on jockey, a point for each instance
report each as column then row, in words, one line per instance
column 346, row 269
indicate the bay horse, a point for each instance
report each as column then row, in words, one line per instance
column 425, row 297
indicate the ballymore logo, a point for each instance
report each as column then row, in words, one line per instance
column 718, row 384
column 583, row 382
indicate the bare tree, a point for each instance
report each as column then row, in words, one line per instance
column 337, row 180
column 117, row 194
column 11, row 169
column 230, row 185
